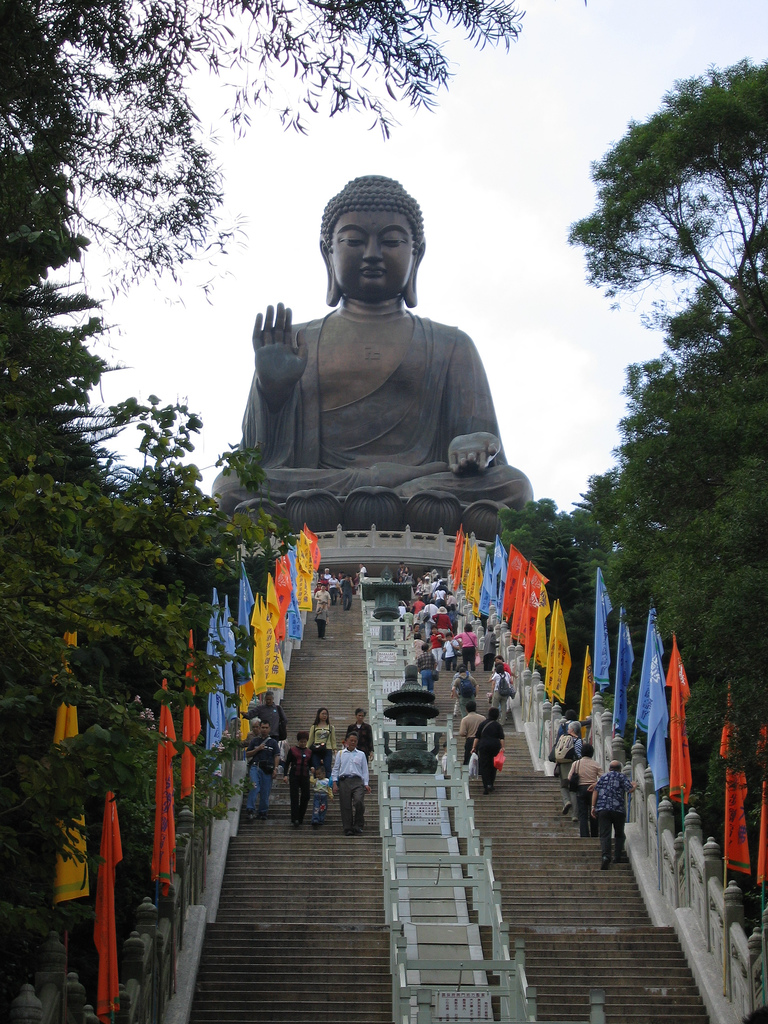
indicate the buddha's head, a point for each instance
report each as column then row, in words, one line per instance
column 372, row 241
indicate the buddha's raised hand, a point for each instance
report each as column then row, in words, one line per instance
column 469, row 452
column 280, row 357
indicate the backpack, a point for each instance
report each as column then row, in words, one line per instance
column 506, row 689
column 466, row 689
column 564, row 749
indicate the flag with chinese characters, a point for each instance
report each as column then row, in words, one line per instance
column 314, row 548
column 518, row 617
column 164, row 847
column 516, row 566
column 680, row 778
column 603, row 608
column 534, row 582
column 658, row 720
column 466, row 564
column 283, row 591
column 540, row 653
column 587, row 689
column 454, row 573
column 274, row 670
column 104, row 932
column 558, row 657
column 735, row 847
column 259, row 626
column 653, row 647
column 303, row 574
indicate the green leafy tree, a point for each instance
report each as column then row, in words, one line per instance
column 101, row 92
column 566, row 548
column 682, row 202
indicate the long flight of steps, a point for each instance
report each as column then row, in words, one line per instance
column 583, row 928
column 300, row 934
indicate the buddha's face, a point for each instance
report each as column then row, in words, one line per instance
column 372, row 257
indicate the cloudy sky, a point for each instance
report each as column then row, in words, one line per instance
column 501, row 169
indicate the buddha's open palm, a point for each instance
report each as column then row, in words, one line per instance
column 280, row 357
column 470, row 452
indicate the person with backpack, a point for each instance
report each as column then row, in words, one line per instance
column 502, row 690
column 463, row 689
column 567, row 750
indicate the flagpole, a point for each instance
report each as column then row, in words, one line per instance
column 725, row 886
column 658, row 842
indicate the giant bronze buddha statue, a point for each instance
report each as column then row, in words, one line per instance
column 373, row 414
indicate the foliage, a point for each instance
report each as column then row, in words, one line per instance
column 683, row 198
column 102, row 92
column 565, row 547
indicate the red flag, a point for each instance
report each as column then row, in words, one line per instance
column 531, row 611
column 190, row 731
column 516, row 566
column 104, row 935
column 283, row 590
column 164, row 848
column 680, row 779
column 315, row 549
column 454, row 573
column 736, row 852
column 516, row 626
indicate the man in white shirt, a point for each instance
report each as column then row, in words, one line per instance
column 350, row 782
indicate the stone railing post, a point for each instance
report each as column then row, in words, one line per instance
column 26, row 1008
column 713, row 871
column 733, row 909
column 618, row 747
column 681, row 874
column 597, row 721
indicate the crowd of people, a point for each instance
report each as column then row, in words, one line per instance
column 316, row 766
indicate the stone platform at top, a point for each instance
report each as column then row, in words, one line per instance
column 373, row 415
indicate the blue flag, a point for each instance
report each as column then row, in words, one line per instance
column 499, row 574
column 294, row 627
column 227, row 636
column 625, row 657
column 602, row 653
column 245, row 604
column 217, row 718
column 658, row 719
column 652, row 640
column 487, row 588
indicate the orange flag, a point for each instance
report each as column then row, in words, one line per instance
column 104, row 935
column 283, row 590
column 736, row 852
column 516, row 627
column 164, row 848
column 531, row 610
column 314, row 547
column 454, row 574
column 190, row 730
column 516, row 566
column 680, row 779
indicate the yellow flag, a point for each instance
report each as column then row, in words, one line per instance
column 304, row 555
column 476, row 583
column 540, row 653
column 558, row 657
column 587, row 690
column 303, row 590
column 258, row 622
column 247, row 693
column 466, row 564
column 71, row 875
column 274, row 670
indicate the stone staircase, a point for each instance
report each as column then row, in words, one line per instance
column 583, row 928
column 300, row 934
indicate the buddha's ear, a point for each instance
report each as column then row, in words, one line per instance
column 410, row 289
column 333, row 295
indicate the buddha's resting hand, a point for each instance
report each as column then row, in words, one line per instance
column 280, row 357
column 469, row 453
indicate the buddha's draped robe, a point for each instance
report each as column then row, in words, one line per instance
column 395, row 436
